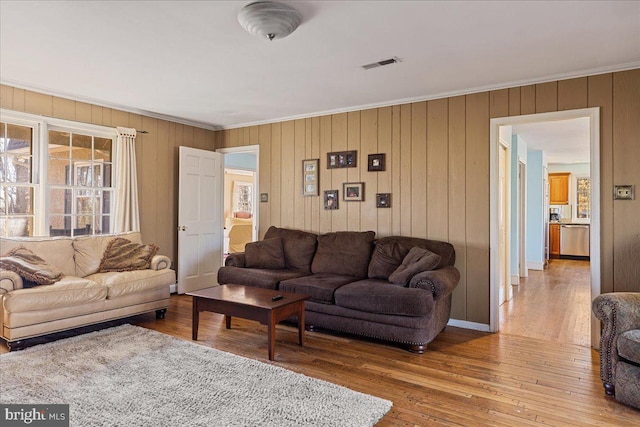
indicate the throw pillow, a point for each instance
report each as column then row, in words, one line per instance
column 30, row 266
column 417, row 260
column 266, row 253
column 124, row 255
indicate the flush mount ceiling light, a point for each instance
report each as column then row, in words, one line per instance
column 269, row 19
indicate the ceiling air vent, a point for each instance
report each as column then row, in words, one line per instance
column 380, row 63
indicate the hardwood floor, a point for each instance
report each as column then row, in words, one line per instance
column 553, row 305
column 465, row 378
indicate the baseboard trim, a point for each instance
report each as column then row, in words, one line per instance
column 515, row 280
column 173, row 288
column 468, row 325
column 535, row 265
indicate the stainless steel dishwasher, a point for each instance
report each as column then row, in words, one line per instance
column 574, row 240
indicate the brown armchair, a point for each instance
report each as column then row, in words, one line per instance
column 620, row 345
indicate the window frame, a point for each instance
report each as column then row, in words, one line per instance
column 42, row 125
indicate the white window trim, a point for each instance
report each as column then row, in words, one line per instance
column 42, row 125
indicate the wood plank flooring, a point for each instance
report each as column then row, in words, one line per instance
column 553, row 305
column 465, row 378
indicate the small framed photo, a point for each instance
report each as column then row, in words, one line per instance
column 310, row 177
column 376, row 162
column 353, row 191
column 342, row 159
column 331, row 199
column 383, row 200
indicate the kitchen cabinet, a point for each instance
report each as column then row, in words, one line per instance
column 559, row 188
column 554, row 240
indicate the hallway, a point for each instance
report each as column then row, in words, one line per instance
column 553, row 305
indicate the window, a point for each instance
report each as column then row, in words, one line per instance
column 16, row 180
column 583, row 198
column 56, row 177
column 79, row 178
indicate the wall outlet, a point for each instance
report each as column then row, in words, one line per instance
column 623, row 192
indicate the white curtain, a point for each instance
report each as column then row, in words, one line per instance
column 126, row 213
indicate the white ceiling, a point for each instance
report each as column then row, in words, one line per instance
column 563, row 141
column 193, row 63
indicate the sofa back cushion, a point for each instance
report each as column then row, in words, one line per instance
column 298, row 246
column 267, row 253
column 57, row 251
column 390, row 251
column 344, row 252
column 90, row 249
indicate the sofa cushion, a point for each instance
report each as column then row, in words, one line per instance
column 57, row 251
column 123, row 255
column 298, row 246
column 376, row 296
column 629, row 345
column 129, row 282
column 67, row 292
column 266, row 253
column 30, row 266
column 258, row 277
column 444, row 249
column 387, row 257
column 320, row 286
column 417, row 260
column 89, row 250
column 345, row 253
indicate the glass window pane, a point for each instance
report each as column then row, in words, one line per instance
column 106, row 175
column 3, row 127
column 83, row 176
column 84, row 204
column 59, row 143
column 60, row 201
column 3, row 200
column 81, row 147
column 19, row 200
column 102, row 147
column 86, row 222
column 16, row 227
column 58, row 173
column 59, row 225
column 19, row 139
column 106, row 201
column 16, row 169
column 105, row 225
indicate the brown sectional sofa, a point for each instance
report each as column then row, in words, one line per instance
column 347, row 276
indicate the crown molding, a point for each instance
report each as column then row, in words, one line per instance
column 468, row 91
column 114, row 106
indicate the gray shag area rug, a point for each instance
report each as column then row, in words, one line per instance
column 131, row 376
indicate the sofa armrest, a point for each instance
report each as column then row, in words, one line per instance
column 441, row 282
column 619, row 312
column 235, row 260
column 160, row 262
column 10, row 281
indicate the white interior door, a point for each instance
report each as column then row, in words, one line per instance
column 199, row 219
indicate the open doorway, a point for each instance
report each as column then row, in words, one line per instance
column 240, row 203
column 536, row 215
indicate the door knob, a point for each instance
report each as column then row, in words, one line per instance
column 182, row 228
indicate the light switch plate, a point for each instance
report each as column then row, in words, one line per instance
column 623, row 192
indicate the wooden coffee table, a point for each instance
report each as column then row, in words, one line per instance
column 250, row 303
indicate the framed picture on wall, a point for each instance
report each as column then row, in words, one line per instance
column 342, row 159
column 353, row 191
column 383, row 200
column 311, row 177
column 376, row 162
column 331, row 199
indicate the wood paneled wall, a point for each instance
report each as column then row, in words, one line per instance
column 156, row 154
column 438, row 173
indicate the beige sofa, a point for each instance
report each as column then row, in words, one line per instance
column 83, row 296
